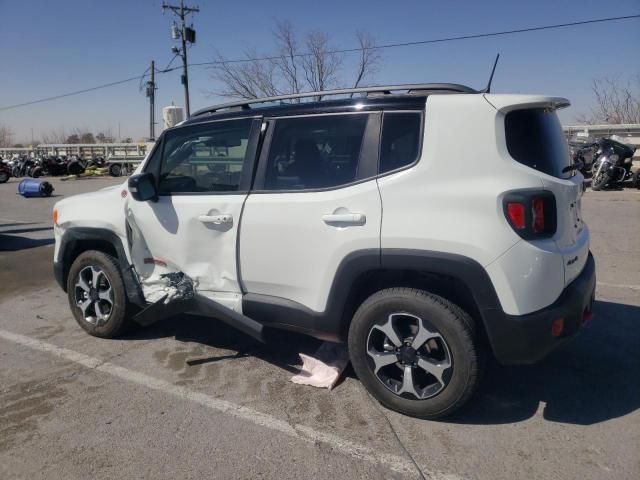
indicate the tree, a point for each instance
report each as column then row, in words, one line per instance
column 87, row 137
column 294, row 66
column 616, row 101
column 54, row 136
column 6, row 136
column 105, row 137
column 73, row 138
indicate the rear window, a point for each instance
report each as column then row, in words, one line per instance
column 535, row 139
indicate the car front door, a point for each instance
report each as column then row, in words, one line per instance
column 315, row 201
column 203, row 174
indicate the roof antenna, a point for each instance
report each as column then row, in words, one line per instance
column 493, row 70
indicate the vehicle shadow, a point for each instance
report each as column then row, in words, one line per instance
column 590, row 379
column 282, row 348
column 13, row 243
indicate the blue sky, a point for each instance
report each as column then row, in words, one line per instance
column 53, row 47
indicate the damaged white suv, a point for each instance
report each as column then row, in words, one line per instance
column 424, row 225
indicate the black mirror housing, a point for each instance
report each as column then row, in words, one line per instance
column 142, row 187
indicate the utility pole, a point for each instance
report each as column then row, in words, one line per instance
column 186, row 35
column 151, row 93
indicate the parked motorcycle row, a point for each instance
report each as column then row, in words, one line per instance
column 47, row 165
column 606, row 161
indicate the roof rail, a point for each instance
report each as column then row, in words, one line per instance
column 383, row 89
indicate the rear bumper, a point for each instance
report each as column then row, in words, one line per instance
column 524, row 339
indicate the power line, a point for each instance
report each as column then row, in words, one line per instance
column 425, row 42
column 344, row 50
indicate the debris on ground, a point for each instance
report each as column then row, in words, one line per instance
column 324, row 368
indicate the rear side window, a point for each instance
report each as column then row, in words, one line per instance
column 315, row 152
column 535, row 139
column 400, row 140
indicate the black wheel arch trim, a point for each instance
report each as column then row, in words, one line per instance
column 75, row 235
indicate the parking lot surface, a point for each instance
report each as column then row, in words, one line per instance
column 192, row 398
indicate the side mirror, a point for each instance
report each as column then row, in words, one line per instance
column 143, row 187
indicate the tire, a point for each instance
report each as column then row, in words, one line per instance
column 115, row 170
column 117, row 321
column 75, row 168
column 456, row 346
column 635, row 179
column 598, row 182
column 4, row 177
column 36, row 172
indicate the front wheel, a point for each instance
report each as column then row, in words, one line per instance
column 4, row 176
column 635, row 179
column 415, row 352
column 97, row 295
column 599, row 181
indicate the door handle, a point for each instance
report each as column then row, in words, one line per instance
column 345, row 218
column 223, row 219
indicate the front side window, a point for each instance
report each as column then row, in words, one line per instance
column 315, row 152
column 204, row 158
column 400, row 140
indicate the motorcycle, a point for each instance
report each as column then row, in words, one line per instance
column 583, row 154
column 22, row 166
column 613, row 163
column 53, row 166
column 5, row 172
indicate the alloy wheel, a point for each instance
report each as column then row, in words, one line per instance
column 409, row 356
column 94, row 295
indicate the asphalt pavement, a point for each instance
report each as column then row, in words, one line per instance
column 193, row 398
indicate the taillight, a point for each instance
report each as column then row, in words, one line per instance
column 516, row 215
column 532, row 214
column 537, row 208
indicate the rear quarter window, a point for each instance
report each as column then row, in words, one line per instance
column 535, row 139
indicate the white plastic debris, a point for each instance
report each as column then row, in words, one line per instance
column 324, row 368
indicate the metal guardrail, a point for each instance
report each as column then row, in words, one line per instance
column 84, row 150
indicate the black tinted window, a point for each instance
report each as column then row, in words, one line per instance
column 204, row 158
column 535, row 139
column 315, row 152
column 400, row 140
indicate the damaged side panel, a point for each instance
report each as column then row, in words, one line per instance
column 176, row 246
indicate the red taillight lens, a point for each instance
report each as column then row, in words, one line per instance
column 537, row 207
column 516, row 215
column 557, row 327
column 532, row 214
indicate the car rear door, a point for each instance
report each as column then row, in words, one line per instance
column 315, row 201
column 203, row 174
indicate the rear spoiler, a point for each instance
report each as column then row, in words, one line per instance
column 505, row 103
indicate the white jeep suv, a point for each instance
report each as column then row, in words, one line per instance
column 424, row 225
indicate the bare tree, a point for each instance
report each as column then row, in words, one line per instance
column 288, row 56
column 369, row 58
column 54, row 136
column 312, row 64
column 616, row 102
column 322, row 64
column 6, row 136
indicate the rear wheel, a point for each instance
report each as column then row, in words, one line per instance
column 115, row 170
column 4, row 176
column 415, row 352
column 97, row 295
column 635, row 179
